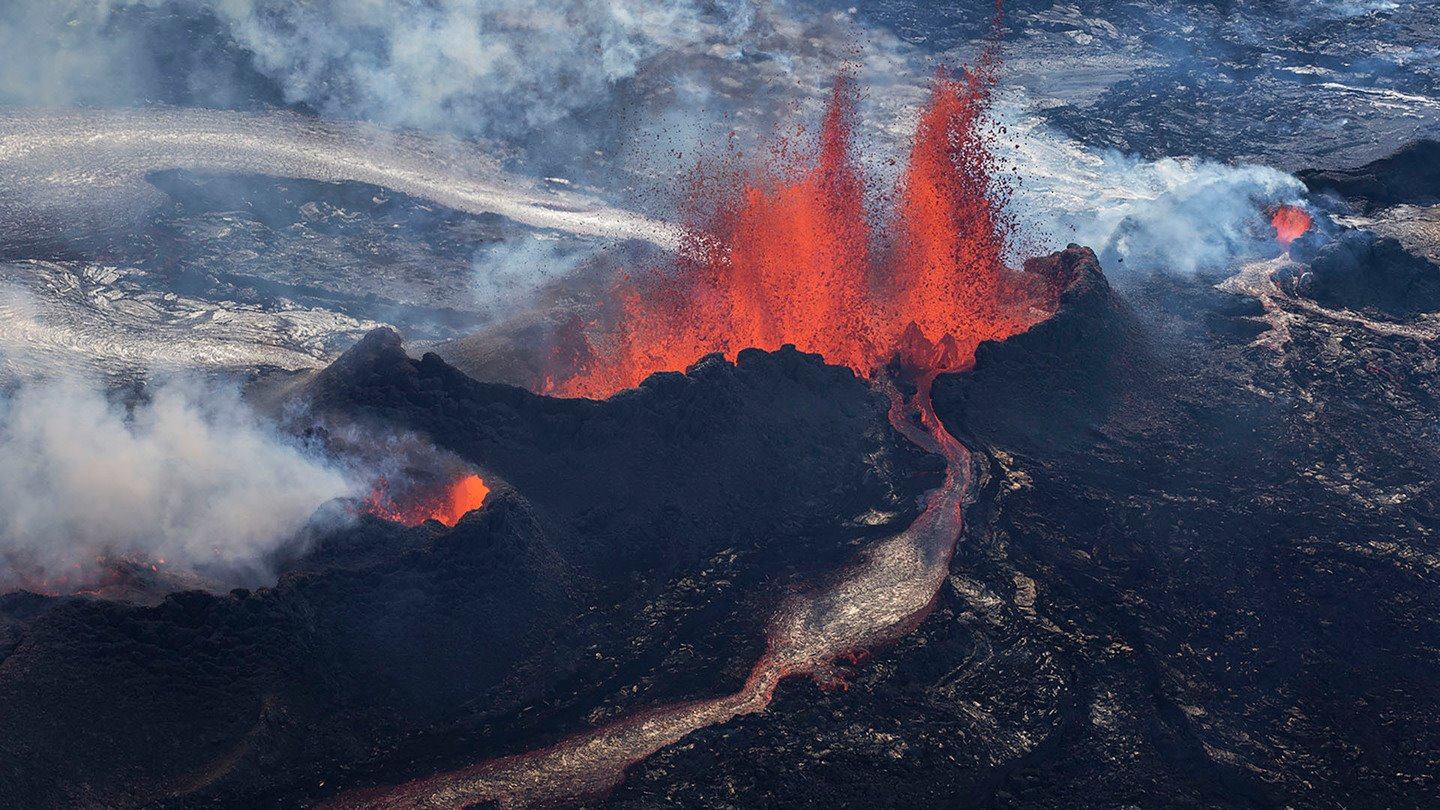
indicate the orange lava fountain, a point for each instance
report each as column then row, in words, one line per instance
column 1290, row 223
column 446, row 506
column 788, row 254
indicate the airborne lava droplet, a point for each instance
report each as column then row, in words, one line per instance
column 1290, row 223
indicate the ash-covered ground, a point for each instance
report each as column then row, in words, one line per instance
column 1199, row 563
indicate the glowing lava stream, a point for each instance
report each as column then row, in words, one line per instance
column 53, row 163
column 883, row 595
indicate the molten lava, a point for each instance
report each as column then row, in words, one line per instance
column 790, row 254
column 1290, row 223
column 447, row 505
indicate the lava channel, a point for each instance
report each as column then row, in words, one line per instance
column 882, row 596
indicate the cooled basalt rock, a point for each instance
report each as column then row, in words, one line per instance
column 1361, row 271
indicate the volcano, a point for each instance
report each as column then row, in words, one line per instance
column 688, row 544
column 725, row 487
column 806, row 484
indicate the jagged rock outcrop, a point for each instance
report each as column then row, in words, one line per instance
column 1359, row 270
column 1052, row 383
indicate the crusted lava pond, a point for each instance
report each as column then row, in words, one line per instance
column 719, row 405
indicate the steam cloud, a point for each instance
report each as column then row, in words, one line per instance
column 1179, row 215
column 506, row 273
column 192, row 477
column 498, row 68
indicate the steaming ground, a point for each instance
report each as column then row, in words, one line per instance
column 60, row 168
column 106, row 321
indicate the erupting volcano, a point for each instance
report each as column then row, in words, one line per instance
column 787, row 254
column 1290, row 223
column 790, row 257
column 445, row 505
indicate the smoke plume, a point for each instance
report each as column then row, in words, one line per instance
column 499, row 68
column 192, row 477
column 1178, row 215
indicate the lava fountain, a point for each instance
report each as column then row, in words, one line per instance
column 790, row 255
column 1290, row 223
column 447, row 504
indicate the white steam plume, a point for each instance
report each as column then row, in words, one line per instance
column 507, row 273
column 1180, row 215
column 488, row 67
column 192, row 477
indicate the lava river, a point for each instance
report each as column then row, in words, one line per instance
column 792, row 256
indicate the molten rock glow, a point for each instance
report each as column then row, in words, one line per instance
column 1290, row 223
column 447, row 505
column 790, row 254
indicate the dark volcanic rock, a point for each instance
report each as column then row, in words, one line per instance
column 112, row 704
column 1362, row 271
column 1054, row 383
column 629, row 555
column 650, row 473
column 1411, row 175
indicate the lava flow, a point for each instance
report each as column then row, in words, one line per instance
column 446, row 505
column 1290, row 223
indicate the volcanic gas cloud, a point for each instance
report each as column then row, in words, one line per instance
column 1290, row 223
column 790, row 253
column 445, row 504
